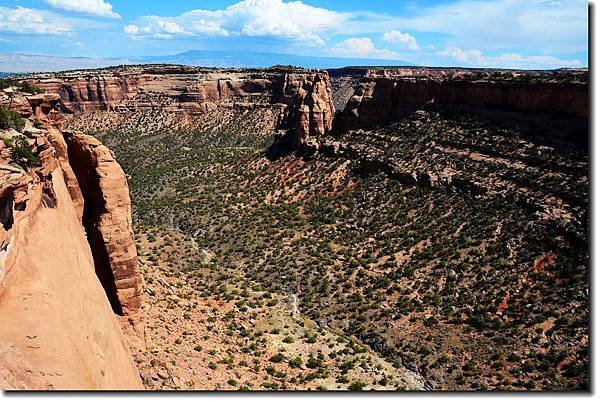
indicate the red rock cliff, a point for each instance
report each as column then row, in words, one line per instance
column 304, row 97
column 107, row 220
column 310, row 109
column 175, row 88
column 58, row 328
column 384, row 95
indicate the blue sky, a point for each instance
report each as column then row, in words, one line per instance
column 473, row 33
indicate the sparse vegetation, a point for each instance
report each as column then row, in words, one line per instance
column 10, row 119
column 21, row 152
column 24, row 86
column 438, row 277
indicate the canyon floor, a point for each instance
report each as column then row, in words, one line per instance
column 329, row 272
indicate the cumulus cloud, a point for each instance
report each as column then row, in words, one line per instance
column 363, row 48
column 551, row 26
column 23, row 20
column 131, row 30
column 476, row 58
column 294, row 20
column 100, row 8
column 405, row 40
column 189, row 24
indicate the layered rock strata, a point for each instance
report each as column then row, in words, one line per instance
column 100, row 195
column 303, row 96
column 310, row 109
column 385, row 95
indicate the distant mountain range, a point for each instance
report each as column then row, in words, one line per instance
column 216, row 58
column 22, row 63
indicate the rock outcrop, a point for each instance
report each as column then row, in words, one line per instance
column 29, row 105
column 57, row 140
column 42, row 104
column 309, row 106
column 107, row 220
column 181, row 89
column 58, row 328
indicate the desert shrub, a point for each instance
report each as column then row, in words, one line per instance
column 30, row 88
column 278, row 358
column 23, row 86
column 21, row 153
column 357, row 386
column 295, row 362
column 7, row 82
column 10, row 119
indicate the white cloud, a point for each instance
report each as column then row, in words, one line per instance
column 167, row 27
column 476, row 58
column 131, row 29
column 32, row 21
column 470, row 57
column 363, row 48
column 98, row 8
column 403, row 39
column 551, row 26
column 295, row 21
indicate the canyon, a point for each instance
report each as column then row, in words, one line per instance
column 344, row 190
column 365, row 97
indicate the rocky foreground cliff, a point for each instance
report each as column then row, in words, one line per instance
column 68, row 262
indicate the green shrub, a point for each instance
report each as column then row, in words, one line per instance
column 357, row 386
column 295, row 362
column 278, row 358
column 10, row 119
column 22, row 86
column 21, row 153
column 7, row 82
column 30, row 88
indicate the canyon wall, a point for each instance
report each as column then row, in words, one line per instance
column 107, row 220
column 309, row 107
column 387, row 94
column 67, row 255
column 303, row 97
column 306, row 100
column 58, row 328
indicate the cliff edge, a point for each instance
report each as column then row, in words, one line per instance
column 58, row 328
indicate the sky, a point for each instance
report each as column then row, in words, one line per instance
column 535, row 34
